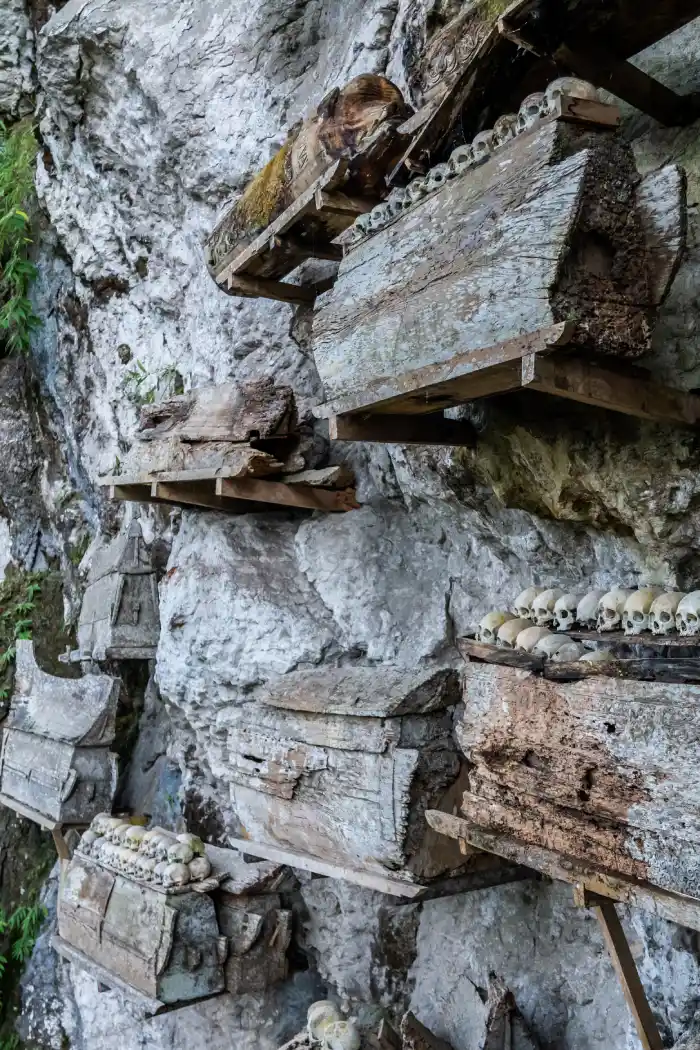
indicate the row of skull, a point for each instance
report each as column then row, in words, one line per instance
column 328, row 1030
column 632, row 610
column 515, row 632
column 157, row 856
column 534, row 107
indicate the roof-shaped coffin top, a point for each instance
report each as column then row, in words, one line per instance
column 365, row 692
column 80, row 711
column 127, row 554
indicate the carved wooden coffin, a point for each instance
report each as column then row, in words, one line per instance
column 553, row 227
column 357, row 123
column 55, row 764
column 159, row 947
column 602, row 770
column 119, row 618
column 340, row 766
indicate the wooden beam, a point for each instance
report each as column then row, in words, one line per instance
column 29, row 814
column 188, row 495
column 340, row 204
column 493, row 654
column 592, row 62
column 60, row 844
column 302, row 496
column 432, row 429
column 673, row 907
column 594, row 384
column 263, row 288
column 626, row 970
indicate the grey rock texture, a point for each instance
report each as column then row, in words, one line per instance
column 152, row 117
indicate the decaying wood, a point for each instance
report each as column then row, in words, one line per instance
column 338, row 477
column 286, row 494
column 156, row 460
column 226, row 412
column 432, row 285
column 602, row 770
column 493, row 654
column 415, row 1036
column 432, row 429
column 662, row 202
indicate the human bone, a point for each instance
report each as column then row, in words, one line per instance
column 110, row 826
column 149, row 836
column 565, row 611
column 159, row 871
column 194, row 842
column 362, row 223
column 134, row 836
column 176, row 875
column 688, row 615
column 574, row 87
column 379, row 217
column 461, row 159
column 508, row 633
column 598, row 656
column 119, row 834
column 123, row 858
column 87, row 839
column 483, row 145
column 180, row 853
column 587, row 609
column 489, row 626
column 108, row 854
column 550, row 644
column 398, row 200
column 417, row 189
column 437, row 177
column 200, row 868
column 530, row 111
column 569, row 653
column 146, row 867
column 99, row 823
column 161, row 847
column 319, row 1016
column 342, row 1035
column 528, row 639
column 611, row 608
column 662, row 614
column 505, row 128
column 635, row 615
column 523, row 603
column 543, row 606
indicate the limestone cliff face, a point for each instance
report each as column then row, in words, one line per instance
column 152, row 116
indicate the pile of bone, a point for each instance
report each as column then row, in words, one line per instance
column 157, row 856
column 326, row 1029
column 540, row 618
column 463, row 158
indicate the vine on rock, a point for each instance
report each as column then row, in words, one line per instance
column 18, row 150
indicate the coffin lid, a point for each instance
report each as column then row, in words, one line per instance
column 128, row 553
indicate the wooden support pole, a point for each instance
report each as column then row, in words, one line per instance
column 259, row 287
column 624, row 966
column 302, row 496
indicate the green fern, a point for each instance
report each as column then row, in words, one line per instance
column 18, row 149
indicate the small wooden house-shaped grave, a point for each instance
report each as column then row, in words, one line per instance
column 119, row 617
column 334, row 770
column 535, row 259
column 56, row 766
column 235, row 448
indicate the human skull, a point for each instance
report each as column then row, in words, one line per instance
column 635, row 615
column 528, row 639
column 111, row 825
column 543, row 606
column 550, row 644
column 200, row 868
column 598, row 656
column 437, row 177
column 417, row 189
column 565, row 611
column 490, row 625
column 161, row 847
column 379, row 217
column 194, row 842
column 573, row 87
column 688, row 615
column 611, row 608
column 523, row 603
column 587, row 609
column 320, row 1015
column 134, row 837
column 461, row 159
column 175, row 875
column 530, row 111
column 508, row 633
column 483, row 145
column 342, row 1035
column 145, row 868
column 180, row 853
column 569, row 653
column 159, row 872
column 108, row 854
column 362, row 223
column 505, row 128
column 87, row 839
column 99, row 823
column 662, row 614
column 119, row 834
column 398, row 200
column 123, row 858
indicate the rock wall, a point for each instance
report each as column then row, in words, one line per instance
column 151, row 117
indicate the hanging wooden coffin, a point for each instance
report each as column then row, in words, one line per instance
column 55, row 764
column 160, row 948
column 119, row 618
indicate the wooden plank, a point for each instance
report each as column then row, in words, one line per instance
column 433, row 429
column 592, row 61
column 626, row 970
column 585, row 111
column 29, row 814
column 341, row 204
column 187, row 495
column 60, row 844
column 659, row 670
column 593, row 384
column 468, row 375
column 662, row 202
column 339, row 476
column 264, row 288
column 672, row 907
column 302, row 496
column 471, row 649
column 104, row 977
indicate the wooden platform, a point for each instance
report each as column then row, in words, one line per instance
column 208, row 489
column 304, row 231
column 484, row 874
column 410, row 407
